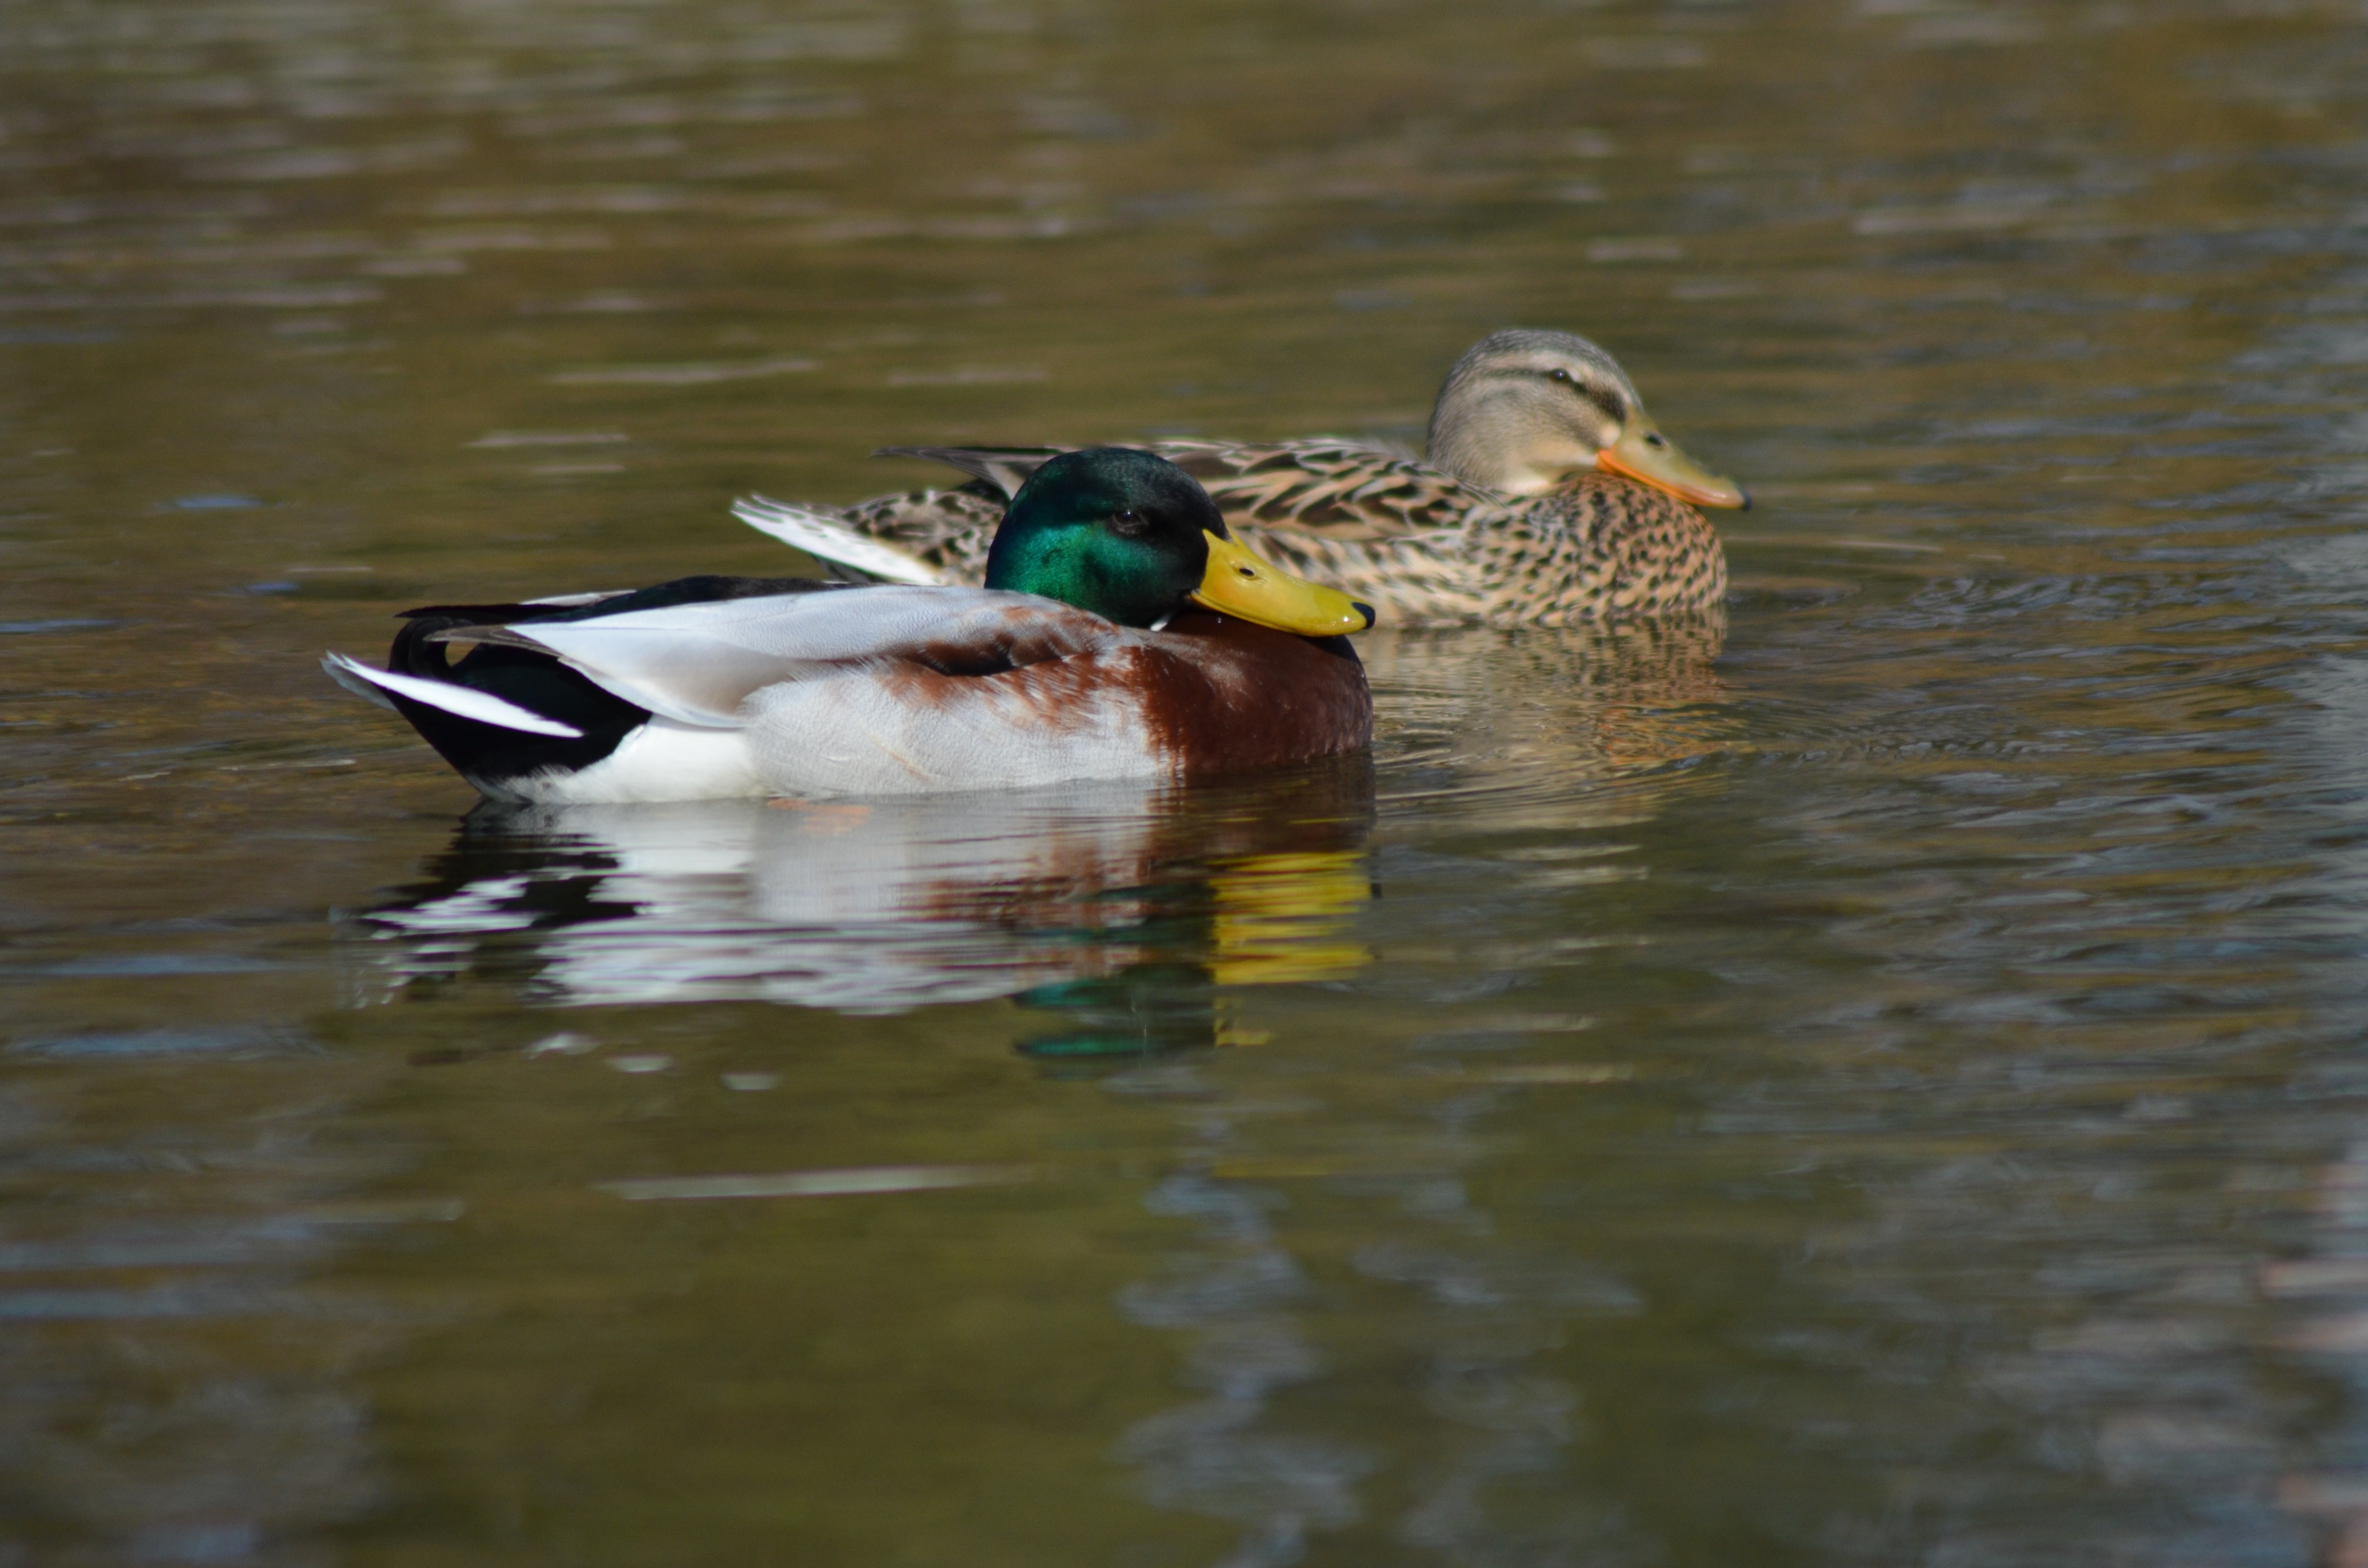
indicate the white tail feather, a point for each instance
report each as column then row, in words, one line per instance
column 827, row 539
column 336, row 664
column 459, row 700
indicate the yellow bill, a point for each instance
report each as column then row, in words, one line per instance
column 1646, row 456
column 1239, row 584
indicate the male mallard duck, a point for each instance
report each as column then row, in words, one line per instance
column 1121, row 634
column 1551, row 497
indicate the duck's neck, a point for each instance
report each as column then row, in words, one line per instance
column 1500, row 440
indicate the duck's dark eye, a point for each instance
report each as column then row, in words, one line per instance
column 1130, row 523
column 1561, row 376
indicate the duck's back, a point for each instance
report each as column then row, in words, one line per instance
column 1340, row 490
column 950, row 530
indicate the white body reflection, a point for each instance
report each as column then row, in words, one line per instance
column 881, row 907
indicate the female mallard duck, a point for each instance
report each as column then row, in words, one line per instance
column 1549, row 498
column 1121, row 634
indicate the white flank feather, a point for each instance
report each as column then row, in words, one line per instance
column 660, row 761
column 826, row 538
column 851, row 735
column 459, row 700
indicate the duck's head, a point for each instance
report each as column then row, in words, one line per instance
column 1134, row 539
column 1524, row 410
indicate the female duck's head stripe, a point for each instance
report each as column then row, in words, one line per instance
column 459, row 700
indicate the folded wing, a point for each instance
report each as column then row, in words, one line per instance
column 698, row 664
column 1343, row 490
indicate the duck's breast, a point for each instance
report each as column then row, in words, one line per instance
column 1219, row 694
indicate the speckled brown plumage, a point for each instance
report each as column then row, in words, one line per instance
column 1604, row 549
column 1549, row 497
column 946, row 528
column 1421, row 546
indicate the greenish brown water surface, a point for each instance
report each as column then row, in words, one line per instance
column 1882, row 1087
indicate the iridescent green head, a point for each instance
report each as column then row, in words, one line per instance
column 1134, row 539
column 1108, row 530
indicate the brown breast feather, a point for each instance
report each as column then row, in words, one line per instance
column 1216, row 693
column 1220, row 694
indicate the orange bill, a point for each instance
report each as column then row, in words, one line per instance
column 1646, row 456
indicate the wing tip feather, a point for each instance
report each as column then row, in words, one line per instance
column 461, row 701
column 827, row 539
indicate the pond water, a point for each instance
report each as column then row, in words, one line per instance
column 1877, row 1082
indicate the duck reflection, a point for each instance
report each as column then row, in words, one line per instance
column 1472, row 710
column 1120, row 908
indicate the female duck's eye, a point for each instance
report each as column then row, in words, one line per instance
column 1561, row 376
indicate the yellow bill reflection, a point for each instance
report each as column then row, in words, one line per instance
column 1284, row 917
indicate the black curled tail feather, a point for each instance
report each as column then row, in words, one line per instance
column 414, row 651
column 492, row 757
column 489, row 756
